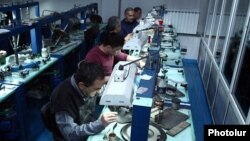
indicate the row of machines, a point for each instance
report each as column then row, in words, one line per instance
column 29, row 74
column 152, row 103
column 25, row 75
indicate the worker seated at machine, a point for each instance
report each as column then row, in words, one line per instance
column 70, row 112
column 109, row 52
column 59, row 35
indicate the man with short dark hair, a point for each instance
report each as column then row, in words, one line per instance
column 108, row 52
column 137, row 13
column 128, row 23
column 73, row 102
column 114, row 26
column 92, row 33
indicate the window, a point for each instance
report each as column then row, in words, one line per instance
column 202, row 55
column 220, row 104
column 242, row 93
column 206, row 71
column 212, row 85
column 223, row 30
column 209, row 20
column 215, row 24
column 231, row 118
column 235, row 39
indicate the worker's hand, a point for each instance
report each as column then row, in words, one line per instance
column 128, row 37
column 106, row 78
column 109, row 117
column 142, row 64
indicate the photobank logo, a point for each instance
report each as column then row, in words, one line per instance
column 240, row 132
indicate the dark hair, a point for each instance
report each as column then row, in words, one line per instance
column 112, row 39
column 88, row 72
column 136, row 9
column 112, row 23
column 92, row 32
column 128, row 9
column 95, row 19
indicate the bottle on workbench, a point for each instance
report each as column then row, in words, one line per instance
column 45, row 52
column 161, row 86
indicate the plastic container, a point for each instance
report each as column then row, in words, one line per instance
column 45, row 53
column 161, row 87
column 176, row 103
column 2, row 57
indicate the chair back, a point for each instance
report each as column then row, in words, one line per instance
column 46, row 116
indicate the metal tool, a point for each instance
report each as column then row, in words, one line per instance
column 114, row 126
column 60, row 37
column 2, row 87
column 14, row 44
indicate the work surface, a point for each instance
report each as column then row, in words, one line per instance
column 187, row 134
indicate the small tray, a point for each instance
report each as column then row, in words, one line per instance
column 153, row 133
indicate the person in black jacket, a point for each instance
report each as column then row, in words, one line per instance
column 128, row 23
column 92, row 33
column 73, row 102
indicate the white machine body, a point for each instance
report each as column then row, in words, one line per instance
column 136, row 42
column 139, row 35
column 119, row 90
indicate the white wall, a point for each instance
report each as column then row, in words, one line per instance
column 65, row 5
column 192, row 45
column 109, row 8
column 5, row 2
column 57, row 5
column 146, row 5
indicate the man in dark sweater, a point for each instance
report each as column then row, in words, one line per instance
column 73, row 102
column 128, row 23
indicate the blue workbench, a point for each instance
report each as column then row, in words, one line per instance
column 6, row 91
column 16, row 85
column 15, row 78
column 187, row 134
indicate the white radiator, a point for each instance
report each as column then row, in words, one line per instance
column 183, row 21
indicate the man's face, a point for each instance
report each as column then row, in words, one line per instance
column 129, row 16
column 137, row 15
column 117, row 28
column 93, row 89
